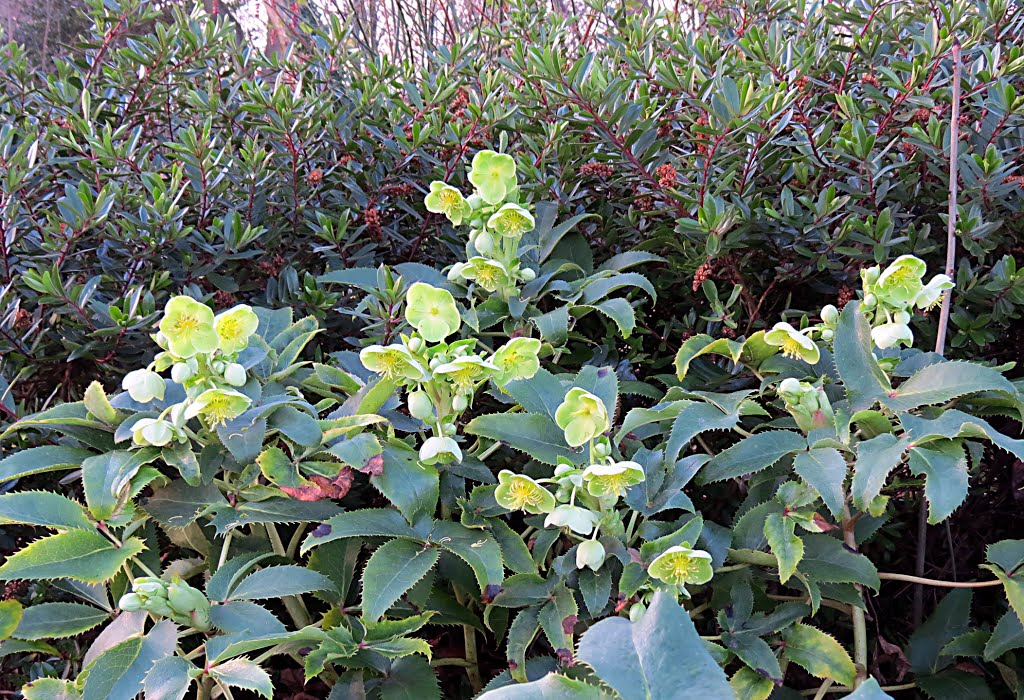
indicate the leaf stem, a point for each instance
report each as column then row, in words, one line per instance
column 936, row 582
column 860, row 628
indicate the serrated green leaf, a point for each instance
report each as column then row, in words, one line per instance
column 50, row 689
column 44, row 509
column 413, row 487
column 475, row 547
column 631, row 658
column 1007, row 635
column 392, row 570
column 280, row 581
column 178, row 504
column 106, row 476
column 788, row 549
column 752, row 454
column 950, row 619
column 944, row 467
column 78, row 554
column 551, row 687
column 864, row 380
column 818, row 653
column 824, row 469
column 750, row 685
column 10, row 617
column 755, row 653
column 536, row 435
column 274, row 510
column 953, row 684
column 876, row 458
column 58, row 620
column 945, row 381
column 701, row 344
column 370, row 522
column 98, row 405
column 37, row 460
column 169, row 679
column 521, row 634
column 410, row 678
column 558, row 617
column 119, row 672
column 245, row 674
column 827, row 560
column 692, row 420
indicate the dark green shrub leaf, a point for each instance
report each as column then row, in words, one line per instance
column 78, row 554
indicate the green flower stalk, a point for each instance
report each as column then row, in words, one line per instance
column 682, row 565
column 520, row 492
column 582, row 416
column 793, row 343
column 432, row 312
column 188, row 327
column 447, row 200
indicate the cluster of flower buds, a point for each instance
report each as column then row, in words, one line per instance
column 497, row 218
column 585, row 499
column 175, row 600
column 807, row 403
column 442, row 378
column 201, row 351
column 892, row 294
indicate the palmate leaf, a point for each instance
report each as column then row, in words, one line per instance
column 944, row 466
column 818, row 653
column 661, row 656
column 945, row 381
column 692, row 420
column 77, row 554
column 537, row 436
column 391, row 571
column 178, row 504
column 864, row 380
column 755, row 653
column 752, row 454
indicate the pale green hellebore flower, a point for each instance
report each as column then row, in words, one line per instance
column 931, row 293
column 393, row 362
column 681, row 565
column 494, row 175
column 892, row 334
column 612, row 479
column 793, row 343
column 447, row 200
column 152, row 431
column 143, row 385
column 590, row 553
column 511, row 221
column 490, row 275
column 581, row 416
column 218, row 405
column 432, row 311
column 234, row 328
column 467, row 370
column 188, row 327
column 900, row 283
column 582, row 521
column 440, row 450
column 517, row 359
column 520, row 492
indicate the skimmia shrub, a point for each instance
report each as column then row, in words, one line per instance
column 453, row 511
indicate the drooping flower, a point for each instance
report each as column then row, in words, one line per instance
column 582, row 416
column 520, row 492
column 493, row 174
column 793, row 343
column 517, row 359
column 143, row 385
column 440, row 450
column 900, row 283
column 580, row 520
column 467, row 370
column 511, row 220
column 234, row 327
column 931, row 293
column 394, row 361
column 681, row 565
column 188, row 327
column 152, row 431
column 490, row 275
column 612, row 479
column 234, row 374
column 590, row 553
column 892, row 334
column 218, row 405
column 447, row 200
column 432, row 311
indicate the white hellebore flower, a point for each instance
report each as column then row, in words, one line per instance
column 580, row 520
column 891, row 334
column 143, row 385
column 590, row 553
column 440, row 450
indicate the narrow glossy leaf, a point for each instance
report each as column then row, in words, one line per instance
column 944, row 382
column 169, row 679
column 752, row 454
column 392, row 570
column 536, row 435
column 36, row 460
column 818, row 653
column 631, row 658
column 78, row 554
column 824, row 469
column 242, row 673
column 58, row 620
column 785, row 545
column 44, row 509
column 944, row 467
column 280, row 581
column 864, row 380
column 119, row 672
column 876, row 458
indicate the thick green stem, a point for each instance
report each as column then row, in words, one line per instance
column 292, row 603
column 860, row 627
column 472, row 664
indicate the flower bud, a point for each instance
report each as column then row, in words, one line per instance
column 870, row 301
column 449, row 428
column 602, row 449
column 636, row 611
column 130, row 602
column 829, row 314
column 415, row 343
column 590, row 553
column 160, row 339
column 218, row 366
column 143, row 385
column 901, row 316
column 460, row 402
column 150, row 587
column 234, row 374
column 184, row 598
column 158, row 606
column 527, row 275
column 436, row 362
column 484, row 243
column 420, row 405
column 827, row 335
column 181, row 372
